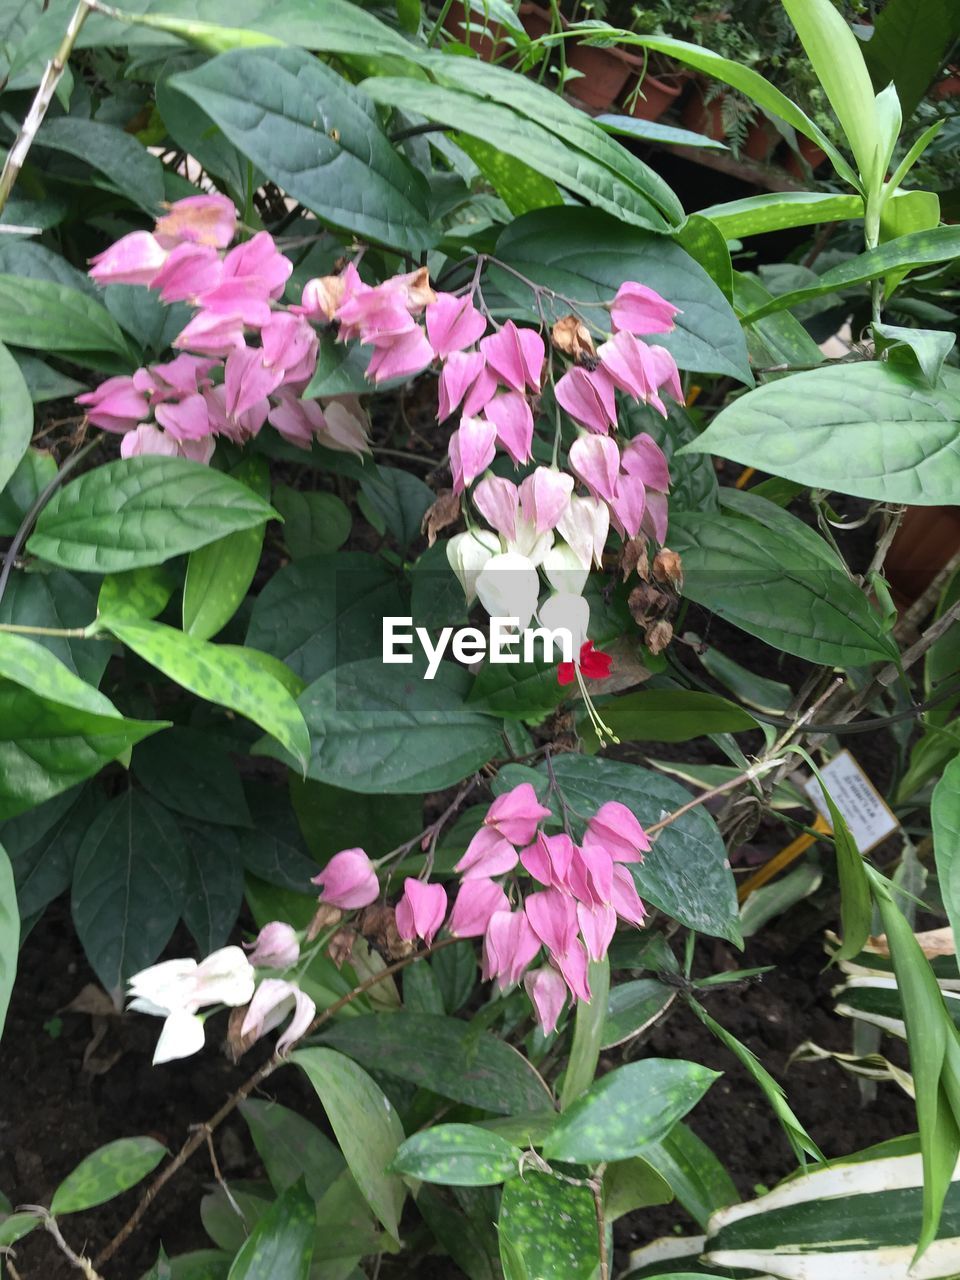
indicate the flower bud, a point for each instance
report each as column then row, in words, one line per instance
column 348, row 880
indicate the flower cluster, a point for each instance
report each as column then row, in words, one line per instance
column 244, row 359
column 544, row 936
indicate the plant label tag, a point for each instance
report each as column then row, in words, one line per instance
column 865, row 811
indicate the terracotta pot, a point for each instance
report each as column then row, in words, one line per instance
column 655, row 97
column 813, row 155
column 928, row 538
column 762, row 138
column 604, row 73
column 535, row 20
column 487, row 46
column 704, row 117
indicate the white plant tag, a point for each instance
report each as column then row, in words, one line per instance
column 864, row 810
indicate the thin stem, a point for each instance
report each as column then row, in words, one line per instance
column 17, row 155
column 67, row 633
column 749, row 775
column 441, row 19
column 596, row 1186
column 431, row 832
column 50, row 1223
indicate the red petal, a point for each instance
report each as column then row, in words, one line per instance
column 566, row 673
column 596, row 666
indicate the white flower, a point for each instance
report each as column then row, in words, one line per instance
column 585, row 525
column 570, row 612
column 564, row 571
column 508, row 586
column 528, row 543
column 468, row 553
column 276, row 998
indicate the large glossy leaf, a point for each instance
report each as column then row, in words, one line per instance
column 16, row 416
column 313, row 523
column 42, row 845
column 331, row 819
column 324, row 611
column 129, row 886
column 586, row 255
column 9, row 934
column 27, row 663
column 214, row 887
column 142, row 511
column 910, row 41
column 918, row 249
column 865, row 429
column 686, row 873
column 627, row 1108
column 59, row 601
column 548, row 1229
column 106, row 1173
column 364, row 1123
column 376, row 728
column 945, row 816
column 225, row 677
column 291, row 1147
column 772, row 584
column 446, row 1056
column 118, row 155
column 698, row 1179
column 47, row 747
column 318, row 137
column 774, row 210
column 457, row 1155
column 281, row 1244
column 528, row 140
column 47, row 316
column 632, row 1007
column 190, row 772
column 674, row 715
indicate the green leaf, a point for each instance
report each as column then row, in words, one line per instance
column 632, row 1184
column 446, row 1056
column 190, row 772
column 16, row 416
column 142, row 511
column 674, row 715
column 29, row 477
column 778, row 339
column 698, row 1179
column 218, row 676
column 771, row 585
column 26, row 663
column 9, row 934
column 518, row 185
column 365, row 1125
column 313, row 523
column 325, row 610
column 16, row 1226
column 587, row 255
column 835, row 56
column 548, row 1229
column 214, row 888
column 57, row 600
column 136, row 593
column 656, row 131
column 627, row 1108
column 526, row 691
column 632, row 1007
column 864, row 429
column 47, row 316
column 532, row 142
column 281, row 1244
column 776, row 210
column 129, row 886
column 341, row 369
column 401, row 499
column 128, row 165
column 457, row 1155
column 42, row 845
column 219, row 575
column 106, row 1173
column 910, row 41
column 331, row 819
column 376, row 728
column 918, row 249
column 47, row 747
column 925, row 349
column 945, row 817
column 588, row 1029
column 318, row 138
column 686, row 875
column 291, row 1147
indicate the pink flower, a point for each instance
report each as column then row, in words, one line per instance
column 553, row 918
column 471, row 448
column 187, row 420
column 211, row 333
column 290, row 344
column 666, row 374
column 598, row 924
column 147, row 439
column 643, row 457
column 548, row 994
column 630, row 364
column 297, row 420
column 626, row 900
column 545, row 496
column 408, row 354
column 421, row 910
column 509, row 945
column 116, row 405
column 628, row 504
column 460, row 371
column 511, row 414
column 591, row 876
column 641, row 310
column 572, row 964
column 584, row 526
column 487, row 854
column 481, row 392
column 655, row 516
column 189, row 271
column 239, row 427
column 207, row 219
column 548, row 859
column 375, row 314
column 349, row 880
column 453, row 323
column 273, row 999
column 476, row 902
column 345, row 426
column 134, row 259
column 596, row 460
column 197, row 450
column 247, row 380
column 181, row 376
column 516, row 356
column 615, row 828
column 588, row 397
column 259, row 259
column 516, row 814
column 498, row 501
column 276, row 947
